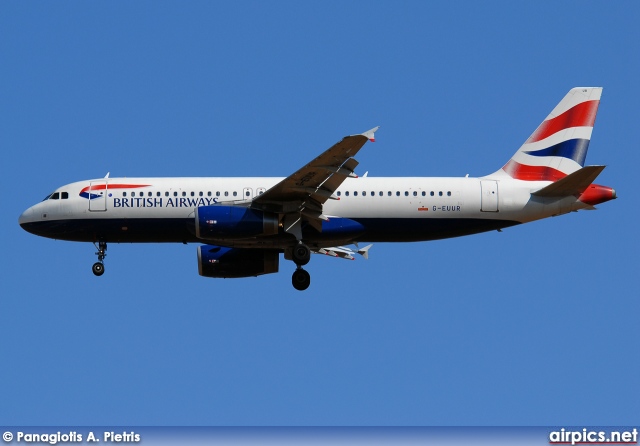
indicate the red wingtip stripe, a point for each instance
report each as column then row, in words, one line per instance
column 581, row 115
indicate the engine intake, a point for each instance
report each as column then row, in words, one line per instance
column 217, row 261
column 213, row 222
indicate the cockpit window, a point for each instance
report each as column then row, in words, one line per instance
column 57, row 196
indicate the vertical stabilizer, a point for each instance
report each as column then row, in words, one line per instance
column 558, row 147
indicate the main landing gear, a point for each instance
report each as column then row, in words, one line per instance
column 98, row 267
column 301, row 255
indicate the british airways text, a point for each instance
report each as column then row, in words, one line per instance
column 176, row 202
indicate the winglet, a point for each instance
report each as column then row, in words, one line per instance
column 364, row 252
column 370, row 134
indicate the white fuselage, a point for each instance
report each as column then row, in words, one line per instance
column 391, row 209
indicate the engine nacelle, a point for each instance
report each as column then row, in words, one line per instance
column 217, row 261
column 213, row 222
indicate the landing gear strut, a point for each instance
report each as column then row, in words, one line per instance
column 98, row 267
column 301, row 255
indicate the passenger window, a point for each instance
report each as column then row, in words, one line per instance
column 200, row 194
column 247, row 194
column 235, row 194
column 389, row 193
column 381, row 194
column 184, row 194
column 64, row 195
column 424, row 193
column 364, row 193
column 397, row 193
column 175, row 194
column 406, row 194
column 166, row 194
column 158, row 194
column 124, row 194
column 209, row 194
column 339, row 193
column 193, row 194
column 226, row 193
column 346, row 193
column 150, row 194
column 449, row 194
column 415, row 193
column 440, row 193
column 432, row 194
column 355, row 193
column 217, row 193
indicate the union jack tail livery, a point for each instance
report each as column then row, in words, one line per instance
column 558, row 147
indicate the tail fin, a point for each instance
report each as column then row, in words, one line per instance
column 559, row 145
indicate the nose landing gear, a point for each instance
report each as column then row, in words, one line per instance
column 98, row 267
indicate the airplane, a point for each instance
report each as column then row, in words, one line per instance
column 244, row 224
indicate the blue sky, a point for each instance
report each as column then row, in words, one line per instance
column 537, row 325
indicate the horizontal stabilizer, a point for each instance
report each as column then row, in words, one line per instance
column 573, row 184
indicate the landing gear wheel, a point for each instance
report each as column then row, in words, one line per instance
column 98, row 268
column 301, row 279
column 301, row 254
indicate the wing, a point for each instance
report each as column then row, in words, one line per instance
column 301, row 195
column 343, row 252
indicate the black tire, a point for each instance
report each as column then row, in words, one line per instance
column 301, row 279
column 98, row 268
column 301, row 254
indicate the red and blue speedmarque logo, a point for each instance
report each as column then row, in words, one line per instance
column 93, row 191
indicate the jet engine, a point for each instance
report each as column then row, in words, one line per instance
column 217, row 261
column 214, row 222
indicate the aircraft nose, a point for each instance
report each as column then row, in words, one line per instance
column 26, row 217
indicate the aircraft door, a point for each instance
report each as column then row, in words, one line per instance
column 98, row 196
column 247, row 193
column 489, row 192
